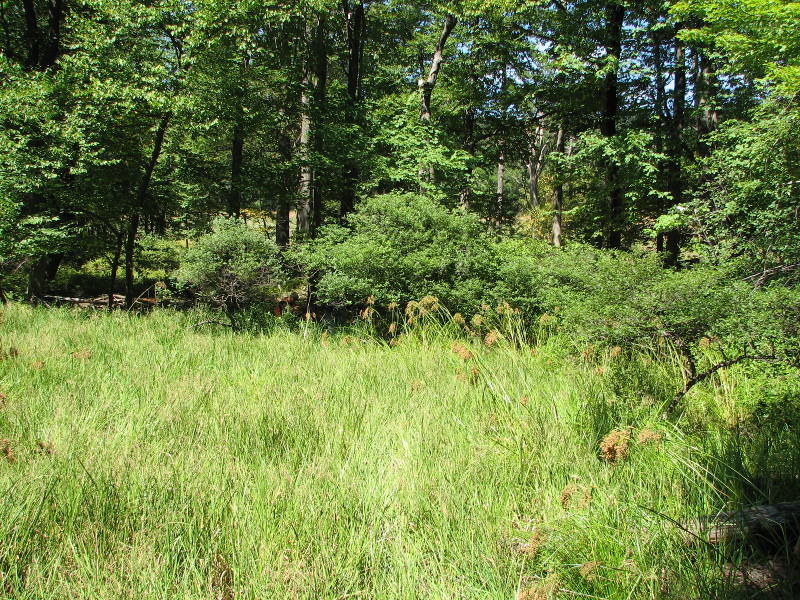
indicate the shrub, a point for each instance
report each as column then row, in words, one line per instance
column 402, row 247
column 231, row 267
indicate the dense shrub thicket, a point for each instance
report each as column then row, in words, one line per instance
column 400, row 248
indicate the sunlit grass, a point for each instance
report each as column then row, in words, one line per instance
column 146, row 459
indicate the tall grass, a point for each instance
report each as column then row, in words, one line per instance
column 144, row 459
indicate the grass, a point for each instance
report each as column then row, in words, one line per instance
column 143, row 459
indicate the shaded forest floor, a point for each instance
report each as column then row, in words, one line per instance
column 141, row 458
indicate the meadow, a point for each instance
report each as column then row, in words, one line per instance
column 143, row 458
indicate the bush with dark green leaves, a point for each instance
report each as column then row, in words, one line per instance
column 231, row 267
column 402, row 247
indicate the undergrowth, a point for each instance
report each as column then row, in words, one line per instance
column 448, row 457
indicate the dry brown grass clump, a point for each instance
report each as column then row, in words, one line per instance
column 574, row 493
column 589, row 569
column 540, row 590
column 462, row 351
column 82, row 354
column 492, row 337
column 531, row 547
column 7, row 450
column 12, row 353
column 616, row 445
column 648, row 436
column 46, row 447
column 222, row 579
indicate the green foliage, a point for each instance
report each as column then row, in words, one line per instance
column 758, row 37
column 232, row 266
column 748, row 207
column 401, row 247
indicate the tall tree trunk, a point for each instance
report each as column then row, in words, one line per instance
column 37, row 278
column 426, row 172
column 234, row 207
column 282, row 211
column 52, row 49
column 426, row 85
column 705, row 93
column 536, row 159
column 138, row 207
column 306, row 186
column 320, row 100
column 31, row 34
column 674, row 165
column 355, row 30
column 469, row 148
column 43, row 270
column 307, row 94
column 615, row 17
column 558, row 192
column 501, row 182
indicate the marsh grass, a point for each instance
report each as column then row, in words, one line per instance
column 140, row 458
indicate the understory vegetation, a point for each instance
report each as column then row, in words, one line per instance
column 143, row 457
column 378, row 299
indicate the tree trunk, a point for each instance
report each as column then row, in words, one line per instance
column 674, row 165
column 52, row 49
column 307, row 95
column 31, row 34
column 37, row 278
column 43, row 270
column 469, row 147
column 615, row 17
column 306, row 173
column 426, row 85
column 705, row 93
column 536, row 159
column 558, row 192
column 426, row 171
column 138, row 206
column 282, row 210
column 237, row 152
column 355, row 30
column 500, row 194
column 320, row 99
column 114, row 270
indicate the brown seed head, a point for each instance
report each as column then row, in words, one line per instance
column 492, row 337
column 566, row 495
column 648, row 436
column 616, row 445
column 588, row 570
column 7, row 450
column 462, row 351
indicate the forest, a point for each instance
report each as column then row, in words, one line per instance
column 380, row 299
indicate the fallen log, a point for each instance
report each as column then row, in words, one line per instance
column 772, row 524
